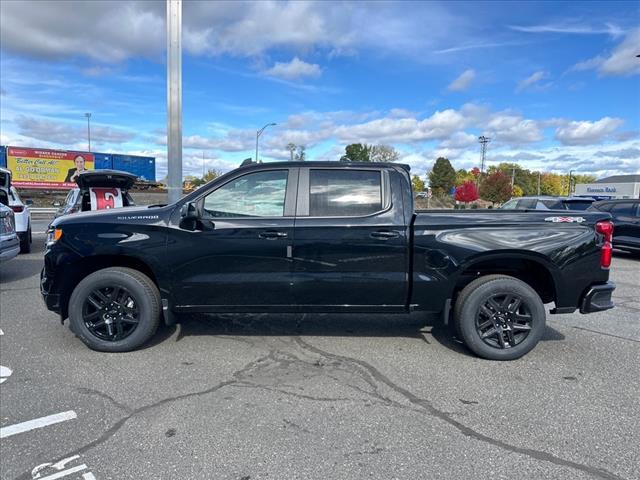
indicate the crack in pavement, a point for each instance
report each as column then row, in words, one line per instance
column 109, row 398
column 280, row 369
column 446, row 417
column 607, row 334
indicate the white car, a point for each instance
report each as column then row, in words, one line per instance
column 22, row 215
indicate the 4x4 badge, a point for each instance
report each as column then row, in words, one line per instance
column 565, row 219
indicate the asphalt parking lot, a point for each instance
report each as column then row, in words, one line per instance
column 317, row 397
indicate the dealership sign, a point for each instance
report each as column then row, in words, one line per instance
column 604, row 189
column 42, row 168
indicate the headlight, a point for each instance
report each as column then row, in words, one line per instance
column 53, row 235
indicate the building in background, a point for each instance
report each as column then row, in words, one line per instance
column 617, row 186
column 54, row 169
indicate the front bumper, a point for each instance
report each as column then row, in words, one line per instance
column 597, row 298
column 51, row 300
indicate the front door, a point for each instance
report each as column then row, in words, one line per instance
column 351, row 244
column 237, row 258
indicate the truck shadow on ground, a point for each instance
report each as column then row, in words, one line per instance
column 416, row 325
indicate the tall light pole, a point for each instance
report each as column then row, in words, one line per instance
column 570, row 175
column 174, row 99
column 258, row 133
column 88, row 115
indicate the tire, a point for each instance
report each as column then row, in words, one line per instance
column 25, row 242
column 499, row 317
column 129, row 312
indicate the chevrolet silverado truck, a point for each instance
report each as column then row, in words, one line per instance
column 324, row 237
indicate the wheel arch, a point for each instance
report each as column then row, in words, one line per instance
column 535, row 271
column 74, row 273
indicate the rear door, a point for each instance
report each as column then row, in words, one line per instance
column 351, row 241
column 626, row 224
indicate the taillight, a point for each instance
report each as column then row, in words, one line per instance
column 606, row 230
column 17, row 208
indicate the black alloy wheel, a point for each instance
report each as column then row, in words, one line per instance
column 503, row 320
column 110, row 313
column 116, row 309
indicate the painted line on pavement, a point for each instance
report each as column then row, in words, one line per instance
column 64, row 473
column 37, row 423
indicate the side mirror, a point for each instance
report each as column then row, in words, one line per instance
column 189, row 210
column 28, row 202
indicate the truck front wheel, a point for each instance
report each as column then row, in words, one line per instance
column 115, row 309
column 499, row 317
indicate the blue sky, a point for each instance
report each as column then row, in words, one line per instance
column 555, row 85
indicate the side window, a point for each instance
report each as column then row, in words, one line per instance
column 528, row 203
column 540, row 205
column 623, row 209
column 344, row 193
column 259, row 194
column 510, row 205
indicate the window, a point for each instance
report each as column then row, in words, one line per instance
column 623, row 210
column 259, row 194
column 527, row 203
column 344, row 193
column 510, row 205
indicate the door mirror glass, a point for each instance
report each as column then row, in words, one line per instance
column 189, row 210
column 28, row 202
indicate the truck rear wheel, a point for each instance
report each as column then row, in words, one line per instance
column 499, row 317
column 115, row 309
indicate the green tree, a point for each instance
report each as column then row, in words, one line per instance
column 463, row 175
column 496, row 187
column 517, row 191
column 551, row 184
column 442, row 176
column 356, row 152
column 301, row 156
column 383, row 153
column 418, row 184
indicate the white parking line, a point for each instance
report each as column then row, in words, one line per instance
column 5, row 372
column 37, row 423
column 64, row 473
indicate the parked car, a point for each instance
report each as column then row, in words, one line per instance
column 22, row 215
column 626, row 219
column 324, row 237
column 548, row 203
column 93, row 185
column 9, row 241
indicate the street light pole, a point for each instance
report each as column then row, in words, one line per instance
column 258, row 133
column 88, row 115
column 174, row 99
column 570, row 175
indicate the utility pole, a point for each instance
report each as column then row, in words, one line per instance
column 570, row 175
column 538, row 183
column 513, row 177
column 174, row 99
column 258, row 133
column 88, row 115
column 483, row 154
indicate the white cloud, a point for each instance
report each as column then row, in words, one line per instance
column 295, row 69
column 531, row 80
column 622, row 61
column 463, row 82
column 571, row 28
column 68, row 133
column 586, row 132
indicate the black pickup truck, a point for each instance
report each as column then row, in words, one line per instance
column 324, row 237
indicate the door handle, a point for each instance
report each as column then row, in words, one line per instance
column 385, row 234
column 272, row 235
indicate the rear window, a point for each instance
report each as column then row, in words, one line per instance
column 623, row 209
column 344, row 193
column 577, row 205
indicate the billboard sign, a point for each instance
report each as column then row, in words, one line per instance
column 43, row 168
